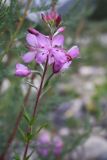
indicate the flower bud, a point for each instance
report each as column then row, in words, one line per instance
column 58, row 20
column 51, row 17
column 33, row 31
column 22, row 70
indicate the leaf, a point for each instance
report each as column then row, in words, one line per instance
column 16, row 157
column 46, row 90
column 29, row 136
column 31, row 85
column 48, row 80
column 41, row 127
column 27, row 117
column 37, row 72
column 22, row 133
column 32, row 121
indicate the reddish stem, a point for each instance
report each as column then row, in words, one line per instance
column 26, row 150
column 35, row 106
column 58, row 157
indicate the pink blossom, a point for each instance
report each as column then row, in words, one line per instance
column 57, row 145
column 22, row 70
column 48, row 143
column 43, row 143
column 70, row 55
column 42, row 46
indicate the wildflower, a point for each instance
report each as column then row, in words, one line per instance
column 57, row 145
column 43, row 143
column 70, row 55
column 47, row 143
column 22, row 70
column 41, row 47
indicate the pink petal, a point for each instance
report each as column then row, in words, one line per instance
column 74, row 52
column 28, row 57
column 31, row 40
column 41, row 57
column 66, row 66
column 20, row 66
column 51, row 59
column 58, row 40
column 59, row 55
column 43, row 41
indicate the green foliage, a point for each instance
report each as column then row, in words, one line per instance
column 77, row 13
column 3, row 12
column 100, row 12
column 16, row 157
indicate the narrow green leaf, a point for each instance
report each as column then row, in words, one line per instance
column 22, row 134
column 27, row 117
column 32, row 121
column 29, row 136
column 16, row 157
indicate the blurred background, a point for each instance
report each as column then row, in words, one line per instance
column 74, row 109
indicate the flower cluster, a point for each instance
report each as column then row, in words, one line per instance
column 43, row 48
column 47, row 143
column 52, row 18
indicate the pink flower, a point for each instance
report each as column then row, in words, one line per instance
column 48, row 143
column 57, row 145
column 42, row 46
column 43, row 143
column 70, row 55
column 22, row 70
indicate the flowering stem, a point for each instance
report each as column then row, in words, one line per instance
column 35, row 107
column 40, row 88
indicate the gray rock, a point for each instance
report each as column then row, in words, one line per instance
column 94, row 148
column 102, row 157
column 74, row 108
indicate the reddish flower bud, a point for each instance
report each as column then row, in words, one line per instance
column 58, row 20
column 52, row 16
